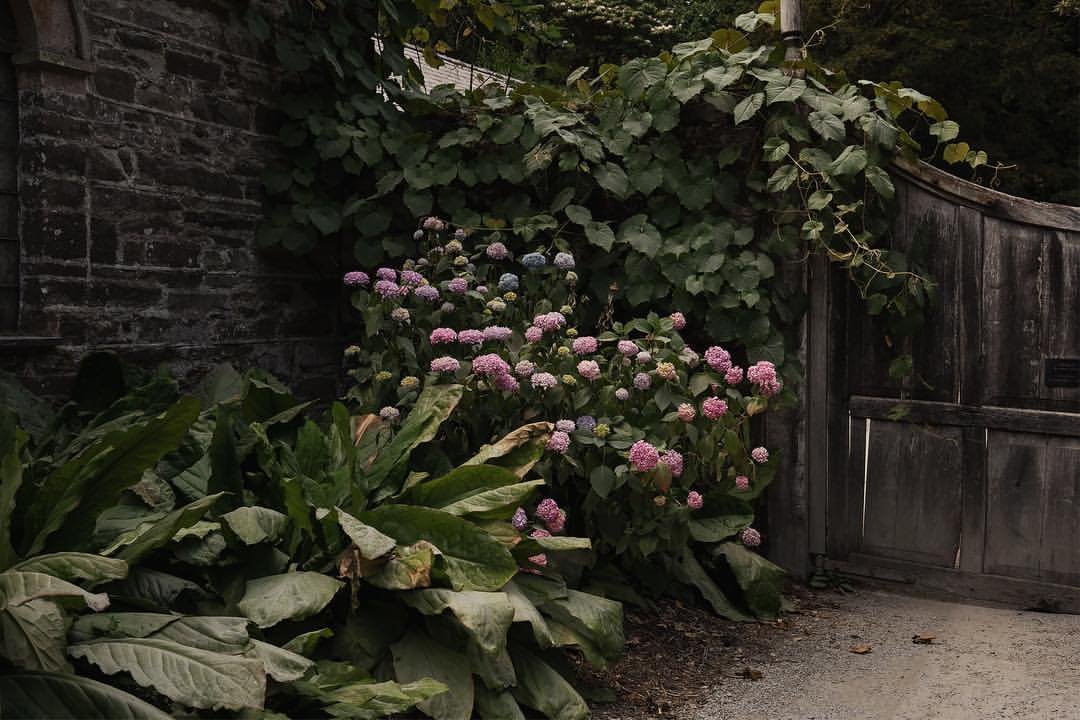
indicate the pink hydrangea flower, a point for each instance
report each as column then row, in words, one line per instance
column 385, row 273
column 588, row 369
column 718, row 358
column 543, row 380
column 506, row 382
column 470, row 337
column 742, row 482
column 687, row 413
column 458, row 285
column 644, row 456
column 713, row 408
column 643, row 357
column 666, row 370
column 387, row 288
column 540, row 560
column 678, row 320
column 674, row 460
column 734, row 375
column 520, row 521
column 497, row 333
column 356, row 278
column 411, row 277
column 490, row 364
column 622, row 394
column 565, row 425
column 694, row 501
column 547, row 510
column 584, row 345
column 445, row 364
column 533, row 334
column 750, row 537
column 628, row 347
column 763, row 374
column 558, row 523
column 642, row 381
column 524, row 368
column 442, row 336
column 760, row 455
column 497, row 251
column 550, row 322
column 558, row 442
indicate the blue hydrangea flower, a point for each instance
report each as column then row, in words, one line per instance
column 509, row 281
column 564, row 261
column 586, row 423
column 534, row 260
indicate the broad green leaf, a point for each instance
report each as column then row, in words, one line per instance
column 496, row 704
column 689, row 570
column 600, row 234
column 541, row 687
column 73, row 496
column 827, row 125
column 612, row 178
column 11, row 476
column 253, row 525
column 474, row 560
column 370, row 542
column 370, row 700
column 407, row 569
column 881, row 181
column 578, row 214
column 641, row 235
column 526, row 611
column 715, row 529
column 187, row 675
column 783, row 178
column 291, row 596
column 458, row 484
column 434, row 405
column 818, row 200
column 598, row 619
column 418, row 657
column 37, row 696
column 306, row 643
column 945, row 130
column 18, row 587
column 955, row 152
column 279, row 663
column 32, row 636
column 517, row 451
column 776, row 149
column 495, row 503
column 786, row 89
column 76, row 567
column 152, row 588
column 760, row 580
column 224, row 634
column 485, row 615
column 850, row 161
column 146, row 539
column 637, row 76
column 748, row 107
column 722, row 76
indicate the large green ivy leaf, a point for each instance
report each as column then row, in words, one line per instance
column 760, row 580
column 785, row 89
column 637, row 76
column 190, row 676
column 600, row 234
column 612, row 178
column 418, row 657
column 748, row 107
column 641, row 235
column 485, row 615
column 474, row 560
column 850, row 161
column 76, row 567
column 827, row 125
column 291, row 596
column 540, row 686
column 37, row 696
column 880, row 181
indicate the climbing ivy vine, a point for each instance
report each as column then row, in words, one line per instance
column 682, row 181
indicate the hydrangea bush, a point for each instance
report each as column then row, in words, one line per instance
column 651, row 451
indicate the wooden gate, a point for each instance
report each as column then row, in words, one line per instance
column 966, row 478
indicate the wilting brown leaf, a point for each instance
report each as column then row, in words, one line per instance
column 861, row 649
column 921, row 639
column 362, row 424
column 751, row 674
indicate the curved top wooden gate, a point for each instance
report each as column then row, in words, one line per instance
column 967, row 477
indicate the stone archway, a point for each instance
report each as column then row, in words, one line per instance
column 51, row 35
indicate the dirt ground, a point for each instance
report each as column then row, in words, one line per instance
column 981, row 663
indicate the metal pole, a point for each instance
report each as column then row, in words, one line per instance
column 791, row 28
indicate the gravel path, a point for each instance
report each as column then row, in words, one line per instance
column 985, row 663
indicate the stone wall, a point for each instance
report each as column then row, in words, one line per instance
column 139, row 195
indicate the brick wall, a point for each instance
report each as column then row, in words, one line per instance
column 139, row 198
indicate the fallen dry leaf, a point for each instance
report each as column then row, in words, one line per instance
column 921, row 639
column 751, row 674
column 860, row 649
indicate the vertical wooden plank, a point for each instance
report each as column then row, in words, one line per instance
column 817, row 393
column 1015, row 493
column 1061, row 290
column 971, row 359
column 846, row 491
column 973, row 504
column 1011, row 314
column 1059, row 554
column 838, row 535
column 913, row 493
